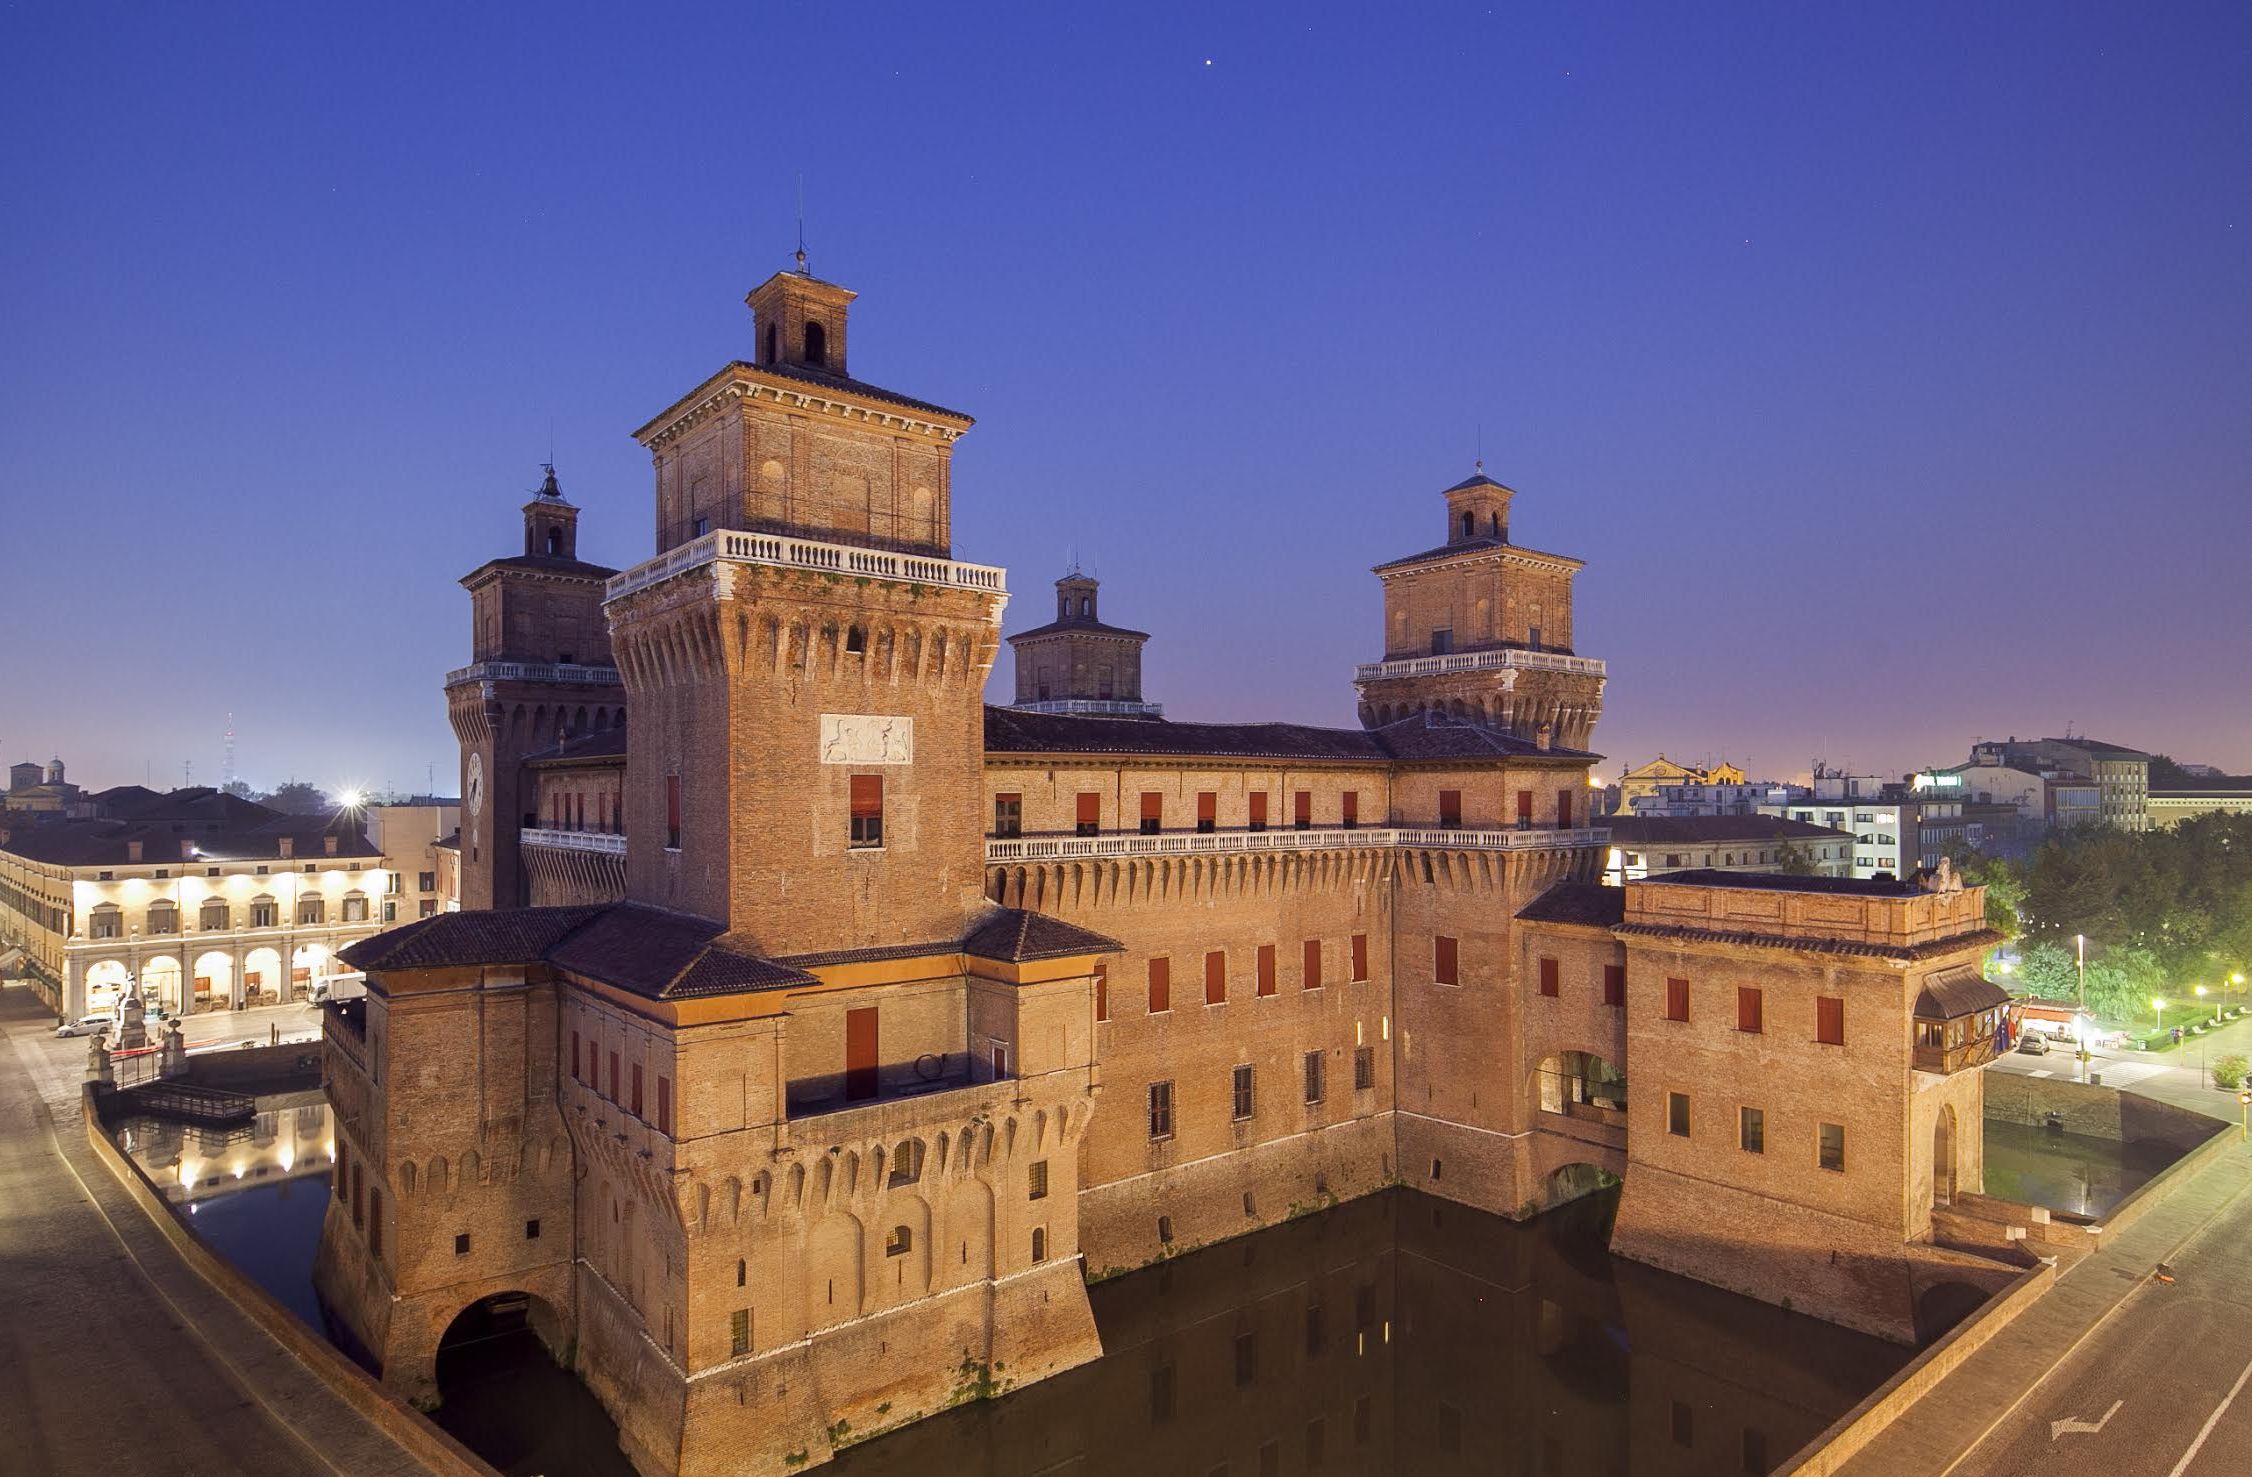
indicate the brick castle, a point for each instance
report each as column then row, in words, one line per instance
column 807, row 1045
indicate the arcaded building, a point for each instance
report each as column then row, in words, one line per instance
column 854, row 1024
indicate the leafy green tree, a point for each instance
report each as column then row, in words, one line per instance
column 2123, row 981
column 1794, row 861
column 2048, row 970
column 299, row 798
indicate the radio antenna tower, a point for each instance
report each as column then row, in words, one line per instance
column 227, row 777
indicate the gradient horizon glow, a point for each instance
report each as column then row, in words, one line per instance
column 1891, row 368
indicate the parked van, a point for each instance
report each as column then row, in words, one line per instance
column 340, row 987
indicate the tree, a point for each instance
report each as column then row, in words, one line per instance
column 1794, row 861
column 299, row 798
column 2048, row 971
column 239, row 790
column 2123, row 981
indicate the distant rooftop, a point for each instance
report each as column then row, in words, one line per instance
column 1778, row 882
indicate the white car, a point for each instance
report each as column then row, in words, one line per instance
column 88, row 1025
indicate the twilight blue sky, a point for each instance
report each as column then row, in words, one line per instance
column 1891, row 366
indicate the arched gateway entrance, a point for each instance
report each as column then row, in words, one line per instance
column 505, row 1391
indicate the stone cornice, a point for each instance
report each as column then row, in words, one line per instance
column 739, row 383
column 1499, row 554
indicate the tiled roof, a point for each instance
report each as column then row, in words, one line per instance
column 1778, row 882
column 544, row 564
column 1954, row 993
column 1424, row 736
column 1477, row 479
column 1484, row 543
column 1691, row 830
column 1091, row 628
column 2099, row 749
column 1589, row 903
column 505, row 936
column 1906, row 954
column 870, row 954
column 1018, row 935
column 222, row 827
column 850, row 386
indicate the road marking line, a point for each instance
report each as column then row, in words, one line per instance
column 2072, row 1426
column 2043, row 1072
column 2211, row 1421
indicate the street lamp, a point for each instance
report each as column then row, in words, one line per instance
column 2159, row 1006
column 2244, row 1115
column 2080, row 947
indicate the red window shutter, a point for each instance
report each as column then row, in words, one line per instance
column 1160, row 985
column 1302, row 807
column 637, row 1089
column 1829, row 1020
column 867, row 796
column 664, row 1105
column 1443, row 961
column 1090, row 808
column 1207, row 807
column 1614, row 984
column 1360, row 956
column 1102, row 992
column 1259, row 809
column 575, row 1077
column 1748, row 1009
column 1216, row 977
column 1550, row 983
column 1564, row 809
column 1266, row 969
column 1450, row 807
column 1677, row 1000
column 1524, row 807
column 1352, row 803
column 1153, row 805
column 613, row 1076
column 1309, row 977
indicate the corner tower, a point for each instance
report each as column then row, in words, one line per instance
column 1481, row 628
column 807, row 661
column 1076, row 663
column 541, row 673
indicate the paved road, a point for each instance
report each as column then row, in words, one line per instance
column 115, row 1357
column 2162, row 1377
column 2180, row 1076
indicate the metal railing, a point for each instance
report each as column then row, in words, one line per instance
column 1479, row 661
column 733, row 546
column 575, row 674
column 602, row 843
column 1096, row 707
column 1330, row 838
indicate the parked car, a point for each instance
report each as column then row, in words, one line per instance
column 88, row 1025
column 2034, row 1043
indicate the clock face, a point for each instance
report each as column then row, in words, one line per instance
column 476, row 786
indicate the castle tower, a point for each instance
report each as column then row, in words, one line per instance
column 804, row 648
column 1077, row 664
column 540, row 673
column 1481, row 628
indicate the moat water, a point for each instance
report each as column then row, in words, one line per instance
column 1394, row 1334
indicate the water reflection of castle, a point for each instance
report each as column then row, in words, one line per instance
column 290, row 1138
column 1405, row 1334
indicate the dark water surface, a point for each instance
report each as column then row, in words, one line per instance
column 2068, row 1171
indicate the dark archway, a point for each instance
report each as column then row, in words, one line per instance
column 506, row 1393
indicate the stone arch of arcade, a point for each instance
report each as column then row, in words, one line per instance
column 488, row 1324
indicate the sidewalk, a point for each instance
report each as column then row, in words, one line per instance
column 2180, row 1077
column 123, row 1358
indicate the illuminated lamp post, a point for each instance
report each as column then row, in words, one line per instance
column 2159, row 1006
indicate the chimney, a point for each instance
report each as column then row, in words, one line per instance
column 328, row 844
column 132, row 851
column 1544, row 736
column 288, row 845
column 187, row 849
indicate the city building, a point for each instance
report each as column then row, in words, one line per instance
column 2046, row 801
column 1639, row 787
column 33, row 790
column 2219, row 794
column 408, row 834
column 1897, row 830
column 899, row 1017
column 1697, row 797
column 206, row 900
column 2122, row 775
column 1076, row 663
column 1646, row 844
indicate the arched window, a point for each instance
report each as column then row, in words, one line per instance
column 856, row 640
column 770, row 355
column 742, row 1271
column 1466, row 525
column 1039, row 1243
column 1082, row 607
column 1494, row 520
column 555, row 541
column 816, row 344
column 900, row 1242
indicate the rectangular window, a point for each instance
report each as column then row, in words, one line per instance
column 1677, row 1000
column 1246, row 1359
column 1364, row 1068
column 1102, row 992
column 1443, row 961
column 1677, row 1114
column 1008, row 815
column 1160, row 1110
column 375, row 1223
column 867, row 810
column 1524, row 810
column 1751, row 1130
column 1614, row 984
column 1259, row 811
column 739, row 1332
column 1313, row 1077
column 1207, row 810
column 1450, row 808
column 1830, row 1151
column 1036, row 1181
column 461, row 1244
column 613, row 1076
column 1351, row 803
column 1216, row 977
column 1160, row 985
column 636, row 1102
column 1551, row 983
column 1360, row 957
column 1563, row 810
column 1750, row 1004
column 1309, row 968
column 576, row 1076
column 1266, row 969
column 1829, row 1020
column 1302, row 810
column 672, row 812
column 1243, row 1097
column 1153, row 812
column 1089, row 817
column 664, row 1105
